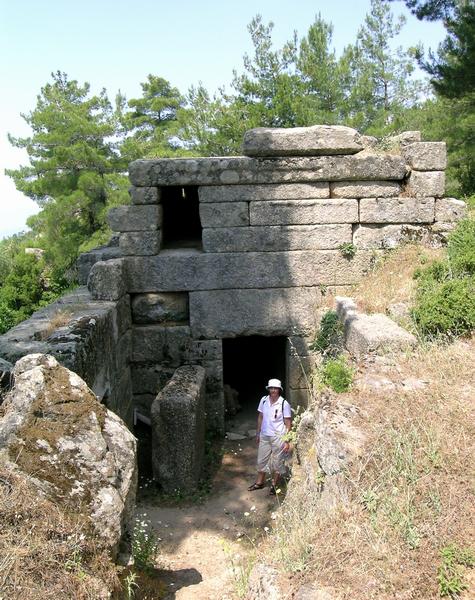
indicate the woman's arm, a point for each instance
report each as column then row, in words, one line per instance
column 259, row 425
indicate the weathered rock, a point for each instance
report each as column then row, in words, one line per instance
column 299, row 398
column 264, row 583
column 253, row 312
column 76, row 451
column 448, row 210
column 150, row 378
column 426, row 156
column 426, row 183
column 5, row 376
column 235, row 437
column 300, row 370
column 107, row 280
column 141, row 243
column 301, row 212
column 316, row 592
column 243, row 170
column 397, row 210
column 202, row 271
column 302, row 141
column 135, row 218
column 160, row 344
column 405, row 138
column 398, row 310
column 224, row 214
column 364, row 189
column 160, row 308
column 86, row 260
column 178, row 429
column 276, row 191
column 145, row 195
column 276, row 238
column 384, row 236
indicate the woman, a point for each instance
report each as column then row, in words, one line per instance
column 273, row 422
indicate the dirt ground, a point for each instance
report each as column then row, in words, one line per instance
column 203, row 545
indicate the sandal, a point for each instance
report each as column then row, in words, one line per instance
column 255, row 486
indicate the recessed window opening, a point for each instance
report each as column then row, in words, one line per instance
column 181, row 217
column 248, row 364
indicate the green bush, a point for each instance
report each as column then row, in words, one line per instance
column 461, row 249
column 450, row 574
column 330, row 335
column 337, row 375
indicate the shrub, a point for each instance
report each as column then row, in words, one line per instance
column 337, row 374
column 330, row 335
column 461, row 249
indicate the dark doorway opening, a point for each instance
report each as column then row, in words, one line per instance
column 181, row 217
column 248, row 364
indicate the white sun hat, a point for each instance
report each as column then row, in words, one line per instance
column 274, row 383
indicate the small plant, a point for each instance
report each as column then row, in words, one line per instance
column 131, row 585
column 450, row 572
column 240, row 567
column 337, row 374
column 330, row 335
column 145, row 545
column 347, row 249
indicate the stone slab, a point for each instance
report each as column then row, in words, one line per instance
column 276, row 238
column 233, row 313
column 397, row 210
column 301, row 141
column 426, row 156
column 385, row 236
column 107, row 280
column 276, row 191
column 135, row 218
column 224, row 214
column 304, row 212
column 364, row 189
column 140, row 243
column 160, row 308
column 145, row 195
column 426, row 183
column 244, row 170
column 160, row 344
column 448, row 210
column 203, row 271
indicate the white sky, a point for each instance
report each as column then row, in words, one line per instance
column 115, row 44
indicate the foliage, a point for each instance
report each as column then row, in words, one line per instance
column 347, row 249
column 329, row 338
column 450, row 572
column 145, row 545
column 337, row 374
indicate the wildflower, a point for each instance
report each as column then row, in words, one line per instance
column 246, row 514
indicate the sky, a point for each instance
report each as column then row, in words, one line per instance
column 115, row 44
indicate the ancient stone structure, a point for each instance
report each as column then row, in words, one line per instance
column 222, row 262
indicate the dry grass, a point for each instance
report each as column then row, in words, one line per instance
column 45, row 552
column 59, row 319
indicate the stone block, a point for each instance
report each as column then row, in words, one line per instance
column 202, row 271
column 302, row 141
column 160, row 308
column 107, row 280
column 160, row 344
column 178, row 431
column 224, row 214
column 150, row 378
column 448, row 210
column 276, row 191
column 299, row 398
column 298, row 345
column 87, row 259
column 122, row 393
column 397, row 210
column 302, row 212
column 215, row 412
column 243, row 170
column 300, row 370
column 426, row 183
column 385, row 236
column 233, row 313
column 364, row 189
column 202, row 351
column 405, row 138
column 140, row 243
column 276, row 238
column 145, row 195
column 121, row 356
column 135, row 218
column 426, row 156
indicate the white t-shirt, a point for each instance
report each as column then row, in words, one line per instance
column 272, row 417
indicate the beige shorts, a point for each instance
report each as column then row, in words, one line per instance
column 270, row 455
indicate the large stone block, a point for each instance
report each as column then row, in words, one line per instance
column 145, row 195
column 397, row 210
column 233, row 313
column 160, row 344
column 426, row 183
column 224, row 214
column 364, row 189
column 135, row 218
column 300, row 370
column 202, row 271
column 385, row 236
column 276, row 191
column 369, row 334
column 275, row 238
column 301, row 212
column 244, row 170
column 426, row 156
column 448, row 210
column 299, row 398
column 202, row 351
column 178, row 431
column 140, row 243
column 150, row 378
column 107, row 280
column 302, row 141
column 160, row 308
